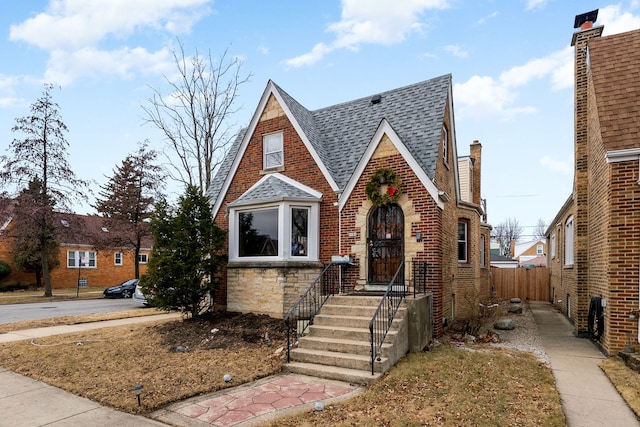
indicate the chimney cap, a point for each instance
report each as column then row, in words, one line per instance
column 585, row 17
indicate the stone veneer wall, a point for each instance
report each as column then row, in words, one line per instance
column 268, row 289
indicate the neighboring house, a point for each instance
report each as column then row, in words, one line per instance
column 500, row 261
column 593, row 240
column 298, row 187
column 531, row 253
column 81, row 254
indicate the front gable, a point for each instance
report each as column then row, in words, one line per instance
column 384, row 142
column 274, row 115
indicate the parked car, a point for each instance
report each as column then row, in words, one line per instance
column 123, row 290
column 139, row 296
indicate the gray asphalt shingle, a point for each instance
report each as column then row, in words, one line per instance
column 341, row 133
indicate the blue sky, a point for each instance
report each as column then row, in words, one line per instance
column 511, row 62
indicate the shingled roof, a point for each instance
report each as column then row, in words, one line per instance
column 340, row 134
column 616, row 78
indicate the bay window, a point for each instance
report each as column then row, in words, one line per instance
column 274, row 232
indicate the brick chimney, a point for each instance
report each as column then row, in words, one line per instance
column 580, row 41
column 475, row 153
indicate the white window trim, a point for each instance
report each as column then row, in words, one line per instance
column 140, row 261
column 76, row 259
column 466, row 243
column 284, row 232
column 553, row 246
column 115, row 258
column 265, row 153
column 568, row 242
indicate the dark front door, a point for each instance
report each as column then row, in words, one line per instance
column 385, row 241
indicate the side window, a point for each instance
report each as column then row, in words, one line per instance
column 568, row 241
column 117, row 258
column 463, row 246
column 272, row 151
column 445, row 145
column 483, row 262
column 143, row 258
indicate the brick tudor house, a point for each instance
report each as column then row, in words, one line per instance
column 81, row 254
column 594, row 240
column 292, row 194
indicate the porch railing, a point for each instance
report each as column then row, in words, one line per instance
column 301, row 315
column 396, row 291
column 383, row 317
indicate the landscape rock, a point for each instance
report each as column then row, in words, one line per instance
column 516, row 309
column 515, row 300
column 505, row 324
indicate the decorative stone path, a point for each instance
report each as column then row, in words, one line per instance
column 257, row 401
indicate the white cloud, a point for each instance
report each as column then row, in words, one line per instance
column 480, row 97
column 456, row 51
column 63, row 67
column 564, row 166
column 483, row 96
column 75, row 24
column 616, row 20
column 76, row 33
column 383, row 22
column 485, row 19
column 532, row 4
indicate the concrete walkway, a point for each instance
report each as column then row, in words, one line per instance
column 588, row 397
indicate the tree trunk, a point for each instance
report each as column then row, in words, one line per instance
column 45, row 271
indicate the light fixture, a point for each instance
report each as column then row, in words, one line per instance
column 227, row 378
column 137, row 389
column 319, row 405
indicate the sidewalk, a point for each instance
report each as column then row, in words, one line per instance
column 80, row 327
column 28, row 403
column 588, row 397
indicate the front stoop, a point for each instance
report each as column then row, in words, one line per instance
column 337, row 345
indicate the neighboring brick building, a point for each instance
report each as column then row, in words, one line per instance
column 594, row 239
column 292, row 193
column 81, row 254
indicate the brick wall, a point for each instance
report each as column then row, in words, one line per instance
column 106, row 273
column 298, row 165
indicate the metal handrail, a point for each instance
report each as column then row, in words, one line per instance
column 385, row 313
column 301, row 315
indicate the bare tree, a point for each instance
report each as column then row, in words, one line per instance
column 540, row 229
column 126, row 201
column 506, row 234
column 42, row 154
column 195, row 116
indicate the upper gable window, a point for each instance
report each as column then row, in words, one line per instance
column 272, row 151
column 445, row 145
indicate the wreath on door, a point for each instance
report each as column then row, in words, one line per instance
column 384, row 187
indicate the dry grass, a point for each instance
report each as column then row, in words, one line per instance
column 103, row 365
column 447, row 386
column 451, row 387
column 20, row 297
column 625, row 380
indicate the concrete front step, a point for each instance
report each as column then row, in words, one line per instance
column 322, row 319
column 342, row 360
column 333, row 372
column 357, row 334
column 339, row 345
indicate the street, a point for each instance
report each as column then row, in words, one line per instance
column 45, row 310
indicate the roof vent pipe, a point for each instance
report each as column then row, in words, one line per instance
column 376, row 99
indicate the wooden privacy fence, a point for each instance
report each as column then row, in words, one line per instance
column 525, row 283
